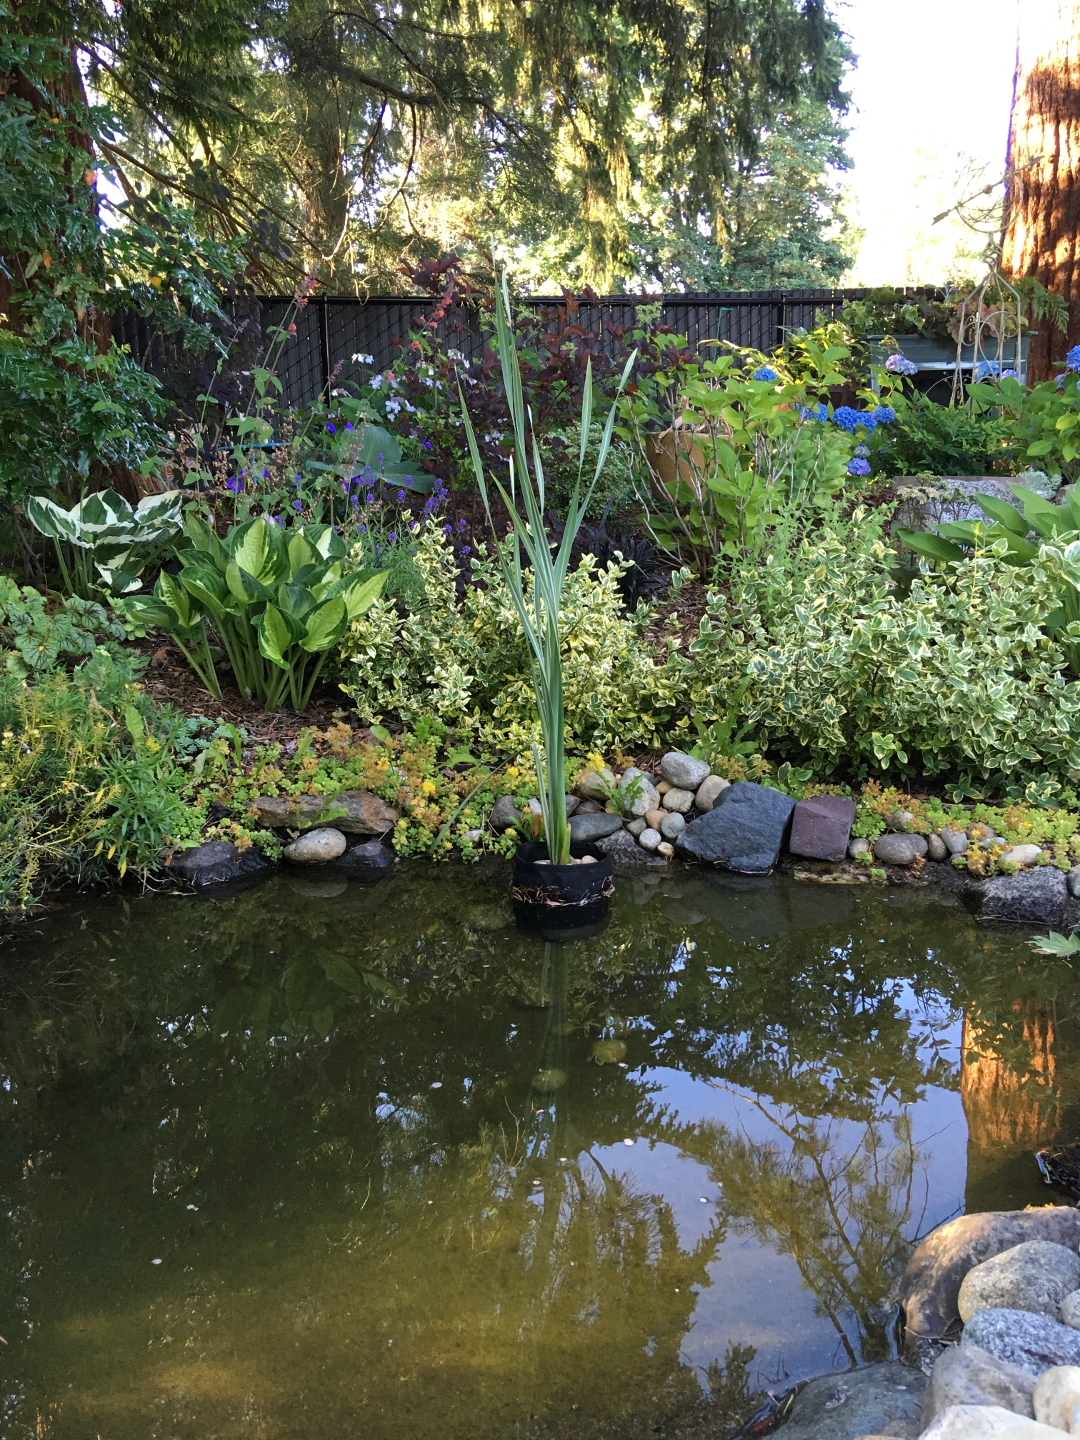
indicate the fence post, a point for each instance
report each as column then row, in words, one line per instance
column 779, row 340
column 324, row 348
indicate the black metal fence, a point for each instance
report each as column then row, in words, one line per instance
column 332, row 331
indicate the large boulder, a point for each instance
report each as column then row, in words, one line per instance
column 1036, row 1275
column 1034, row 897
column 217, row 862
column 821, row 827
column 1034, row 1342
column 883, row 1399
column 364, row 813
column 929, row 1289
column 743, row 831
column 969, row 1375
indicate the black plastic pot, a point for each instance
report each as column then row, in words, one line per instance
column 561, row 902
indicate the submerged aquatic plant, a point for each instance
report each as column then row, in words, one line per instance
column 538, row 604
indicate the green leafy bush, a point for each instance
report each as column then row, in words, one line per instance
column 940, row 440
column 38, row 633
column 959, row 679
column 465, row 659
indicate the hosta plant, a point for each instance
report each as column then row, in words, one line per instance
column 278, row 598
column 103, row 529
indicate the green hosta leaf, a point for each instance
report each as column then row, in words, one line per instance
column 326, row 541
column 275, row 636
column 1003, row 513
column 325, row 625
column 104, row 507
column 178, row 600
column 935, row 547
column 303, row 555
column 244, row 587
column 206, row 586
column 295, row 600
column 52, row 521
column 259, row 549
column 149, row 612
column 361, row 594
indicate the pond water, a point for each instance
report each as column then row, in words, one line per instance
column 298, row 1163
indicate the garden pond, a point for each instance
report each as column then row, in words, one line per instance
column 316, row 1159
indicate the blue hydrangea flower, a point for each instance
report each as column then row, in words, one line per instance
column 863, row 451
column 898, row 364
column 1010, row 375
column 858, row 466
column 813, row 412
column 883, row 415
column 849, row 419
column 766, row 372
column 985, row 369
column 1072, row 359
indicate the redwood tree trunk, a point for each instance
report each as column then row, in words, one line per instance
column 1042, row 203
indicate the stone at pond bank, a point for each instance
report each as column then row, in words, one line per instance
column 681, row 801
column 369, row 861
column 1057, row 1398
column 217, row 862
column 316, row 847
column 596, row 785
column 503, row 814
column 969, row 1375
column 365, row 813
column 1022, row 854
column 1034, row 897
column 708, row 790
column 1069, row 1314
column 936, row 848
column 635, row 827
column 743, row 831
column 593, row 827
column 655, row 818
column 883, row 1399
column 672, row 826
column 956, row 841
column 683, row 771
column 650, row 839
column 986, row 1422
column 1034, row 1342
column 638, row 792
column 858, row 846
column 893, row 849
column 929, row 1288
column 627, row 854
column 821, row 827
column 1035, row 1275
column 1072, row 881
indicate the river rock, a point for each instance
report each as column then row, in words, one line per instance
column 683, row 771
column 1034, row 1342
column 900, row 849
column 666, row 849
column 635, row 827
column 1034, row 897
column 365, row 813
column 681, row 801
column 589, row 807
column 646, row 797
column 596, row 785
column 956, row 841
column 882, row 1399
column 1057, row 1398
column 1035, row 1275
column 572, row 804
column 593, row 827
column 1069, row 1314
column 1022, row 854
column 655, row 818
column 821, row 827
column 936, row 848
column 369, row 861
column 986, row 1422
column 929, row 1288
column 1072, row 882
column 316, row 847
column 627, row 854
column 858, row 845
column 649, row 839
column 672, row 825
column 899, row 821
column 217, row 862
column 504, row 813
column 969, row 1375
column 708, row 790
column 743, row 831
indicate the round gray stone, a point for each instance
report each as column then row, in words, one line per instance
column 900, row 849
column 503, row 814
column 679, row 800
column 708, row 790
column 899, row 821
column 645, row 796
column 316, row 847
column 593, row 827
column 858, row 845
column 969, row 1375
column 683, row 771
column 1072, row 883
column 1034, row 1342
column 1070, row 1310
column 1035, row 1276
column 649, row 839
column 956, row 841
column 936, row 848
column 635, row 827
column 672, row 824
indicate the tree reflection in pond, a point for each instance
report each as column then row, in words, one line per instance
column 379, row 1152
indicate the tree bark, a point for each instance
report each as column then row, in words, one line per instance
column 1042, row 200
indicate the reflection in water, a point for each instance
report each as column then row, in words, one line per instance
column 373, row 1163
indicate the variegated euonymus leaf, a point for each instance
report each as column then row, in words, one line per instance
column 119, row 536
column 279, row 599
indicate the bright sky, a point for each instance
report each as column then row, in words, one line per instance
column 931, row 95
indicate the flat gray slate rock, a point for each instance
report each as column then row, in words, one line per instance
column 216, row 862
column 1034, row 1342
column 743, row 831
column 593, row 827
column 1034, row 897
column 883, row 1399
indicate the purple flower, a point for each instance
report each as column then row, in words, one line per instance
column 447, row 529
column 462, row 525
column 354, row 501
column 266, row 474
column 392, row 537
column 234, row 484
column 415, row 525
column 331, row 428
column 363, row 530
column 898, row 364
column 466, row 549
column 438, row 485
column 427, row 444
column 858, row 466
column 369, row 498
column 298, row 505
column 401, row 497
column 349, row 425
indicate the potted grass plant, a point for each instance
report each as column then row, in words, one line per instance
column 558, row 885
